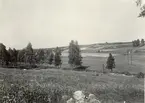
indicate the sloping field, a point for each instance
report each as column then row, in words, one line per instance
column 106, row 47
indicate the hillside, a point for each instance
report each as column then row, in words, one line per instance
column 117, row 47
column 120, row 47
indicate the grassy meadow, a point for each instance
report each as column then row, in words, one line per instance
column 49, row 85
column 95, row 63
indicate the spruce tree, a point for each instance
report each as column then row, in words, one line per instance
column 138, row 42
column 71, row 52
column 21, row 55
column 75, row 58
column 40, row 56
column 57, row 58
column 78, row 57
column 142, row 42
column 51, row 58
column 110, row 62
column 29, row 54
column 11, row 55
column 3, row 54
column 15, row 56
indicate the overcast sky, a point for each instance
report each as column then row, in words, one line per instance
column 51, row 23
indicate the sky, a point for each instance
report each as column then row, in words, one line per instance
column 51, row 23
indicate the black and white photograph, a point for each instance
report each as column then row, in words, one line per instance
column 72, row 51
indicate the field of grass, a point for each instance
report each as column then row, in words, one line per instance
column 95, row 63
column 49, row 85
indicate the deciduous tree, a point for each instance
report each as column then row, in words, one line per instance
column 141, row 5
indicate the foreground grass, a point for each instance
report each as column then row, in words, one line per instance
column 48, row 86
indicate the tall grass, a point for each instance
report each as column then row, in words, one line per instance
column 48, row 86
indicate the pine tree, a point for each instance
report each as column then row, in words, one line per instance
column 138, row 42
column 78, row 57
column 39, row 55
column 29, row 54
column 110, row 62
column 75, row 58
column 3, row 55
column 134, row 43
column 7, row 58
column 51, row 58
column 11, row 55
column 142, row 42
column 15, row 56
column 57, row 58
column 71, row 52
column 21, row 55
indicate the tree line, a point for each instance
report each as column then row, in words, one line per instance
column 29, row 56
column 75, row 58
column 138, row 43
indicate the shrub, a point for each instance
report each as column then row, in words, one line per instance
column 126, row 73
column 81, row 68
column 27, row 66
column 140, row 75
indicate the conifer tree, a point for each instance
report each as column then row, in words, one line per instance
column 39, row 56
column 75, row 58
column 29, row 54
column 51, row 58
column 11, row 55
column 57, row 58
column 21, row 55
column 78, row 57
column 15, row 56
column 71, row 52
column 110, row 62
column 138, row 42
column 142, row 42
column 3, row 55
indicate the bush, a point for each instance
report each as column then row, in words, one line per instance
column 140, row 75
column 27, row 66
column 126, row 73
column 45, row 66
column 81, row 68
